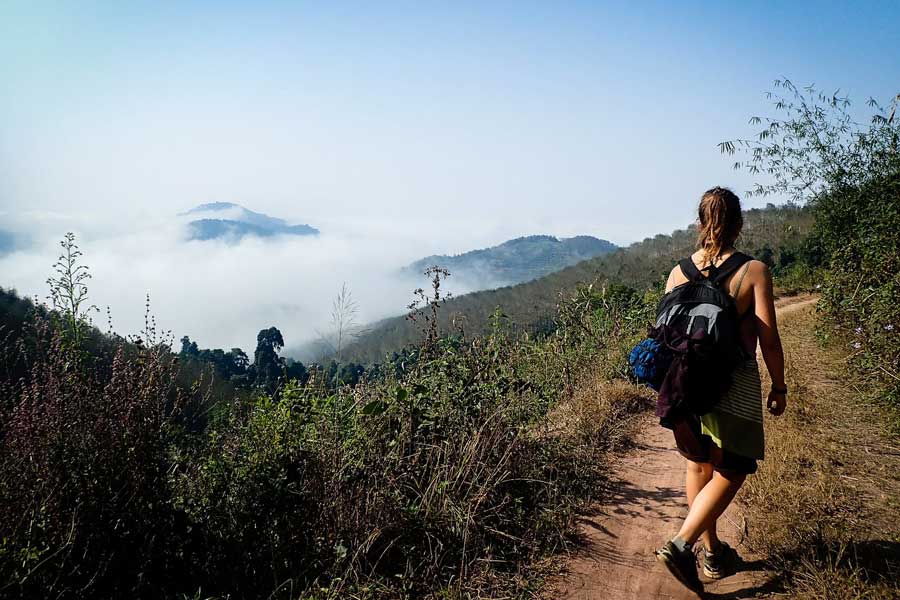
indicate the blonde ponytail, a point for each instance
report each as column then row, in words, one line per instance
column 720, row 223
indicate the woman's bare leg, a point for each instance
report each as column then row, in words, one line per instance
column 708, row 504
column 698, row 475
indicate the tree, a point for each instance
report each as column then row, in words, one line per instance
column 296, row 370
column 267, row 364
column 240, row 360
column 815, row 145
column 189, row 348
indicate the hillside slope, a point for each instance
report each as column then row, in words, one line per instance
column 772, row 234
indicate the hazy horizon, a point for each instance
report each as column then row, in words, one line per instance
column 399, row 132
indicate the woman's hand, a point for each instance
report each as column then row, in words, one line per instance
column 776, row 402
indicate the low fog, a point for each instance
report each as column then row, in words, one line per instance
column 220, row 293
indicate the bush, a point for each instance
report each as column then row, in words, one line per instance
column 450, row 472
column 83, row 460
column 249, row 493
column 862, row 285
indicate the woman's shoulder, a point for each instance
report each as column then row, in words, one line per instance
column 757, row 271
column 675, row 272
column 696, row 258
column 757, row 266
column 676, row 277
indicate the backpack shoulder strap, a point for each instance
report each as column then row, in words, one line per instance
column 732, row 264
column 689, row 269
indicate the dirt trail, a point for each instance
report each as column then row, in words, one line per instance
column 646, row 506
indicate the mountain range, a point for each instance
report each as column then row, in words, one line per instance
column 517, row 260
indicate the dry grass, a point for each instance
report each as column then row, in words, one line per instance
column 823, row 505
column 602, row 411
column 597, row 421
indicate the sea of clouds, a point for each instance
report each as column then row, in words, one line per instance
column 222, row 292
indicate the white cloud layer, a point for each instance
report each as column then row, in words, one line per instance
column 221, row 294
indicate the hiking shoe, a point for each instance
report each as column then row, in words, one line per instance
column 682, row 565
column 721, row 563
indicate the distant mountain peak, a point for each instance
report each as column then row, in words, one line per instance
column 233, row 221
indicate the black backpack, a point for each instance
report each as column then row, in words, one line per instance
column 702, row 304
column 696, row 341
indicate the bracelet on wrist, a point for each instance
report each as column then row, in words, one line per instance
column 780, row 390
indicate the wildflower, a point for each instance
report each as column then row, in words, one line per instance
column 889, row 327
column 858, row 330
column 818, row 286
column 856, row 345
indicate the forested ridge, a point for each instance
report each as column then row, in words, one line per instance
column 515, row 261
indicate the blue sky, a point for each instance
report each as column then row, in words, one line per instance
column 552, row 116
column 398, row 129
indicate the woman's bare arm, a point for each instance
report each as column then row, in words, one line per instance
column 769, row 340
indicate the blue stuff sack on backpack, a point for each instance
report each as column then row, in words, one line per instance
column 650, row 361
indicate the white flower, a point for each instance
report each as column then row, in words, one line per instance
column 818, row 286
column 889, row 327
column 858, row 330
column 856, row 345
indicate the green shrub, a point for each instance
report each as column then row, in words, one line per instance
column 249, row 494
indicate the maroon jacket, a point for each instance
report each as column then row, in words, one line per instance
column 696, row 379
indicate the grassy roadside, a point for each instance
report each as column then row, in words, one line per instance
column 594, row 426
column 824, row 503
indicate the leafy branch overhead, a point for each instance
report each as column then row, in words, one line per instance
column 816, row 142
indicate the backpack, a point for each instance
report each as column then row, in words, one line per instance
column 694, row 345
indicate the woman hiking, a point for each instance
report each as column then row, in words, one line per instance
column 723, row 445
